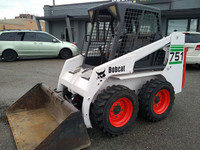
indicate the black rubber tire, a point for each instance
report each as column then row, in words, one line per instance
column 102, row 105
column 10, row 55
column 146, row 98
column 65, row 54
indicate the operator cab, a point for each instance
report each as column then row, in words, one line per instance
column 120, row 29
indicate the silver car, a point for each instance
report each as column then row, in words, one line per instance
column 27, row 43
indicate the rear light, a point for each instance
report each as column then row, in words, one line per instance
column 198, row 47
column 74, row 44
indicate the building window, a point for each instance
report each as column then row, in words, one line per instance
column 88, row 30
column 149, row 25
column 100, row 27
column 193, row 24
column 182, row 25
column 177, row 25
column 89, row 26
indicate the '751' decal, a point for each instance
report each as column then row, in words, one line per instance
column 176, row 54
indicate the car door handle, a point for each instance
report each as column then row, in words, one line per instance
column 35, row 43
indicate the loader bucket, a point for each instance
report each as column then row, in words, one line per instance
column 41, row 119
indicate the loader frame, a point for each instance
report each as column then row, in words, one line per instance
column 86, row 76
column 121, row 71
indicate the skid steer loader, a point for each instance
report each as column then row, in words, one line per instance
column 127, row 67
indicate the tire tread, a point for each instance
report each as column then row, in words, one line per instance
column 145, row 95
column 100, row 103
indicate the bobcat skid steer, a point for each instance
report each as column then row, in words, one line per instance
column 126, row 67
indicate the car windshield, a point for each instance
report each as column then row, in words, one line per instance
column 192, row 38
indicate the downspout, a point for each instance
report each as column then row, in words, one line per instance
column 38, row 24
column 69, row 29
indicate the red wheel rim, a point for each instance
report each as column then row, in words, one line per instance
column 161, row 101
column 120, row 112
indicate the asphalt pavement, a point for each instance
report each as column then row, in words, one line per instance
column 180, row 131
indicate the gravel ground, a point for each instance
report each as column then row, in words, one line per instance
column 181, row 130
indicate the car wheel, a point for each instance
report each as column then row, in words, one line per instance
column 65, row 54
column 10, row 55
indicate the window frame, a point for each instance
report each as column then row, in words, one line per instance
column 187, row 35
column 22, row 37
column 156, row 29
column 39, row 33
column 7, row 36
column 29, row 40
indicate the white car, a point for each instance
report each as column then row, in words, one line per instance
column 192, row 42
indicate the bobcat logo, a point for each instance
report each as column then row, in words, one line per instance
column 101, row 75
